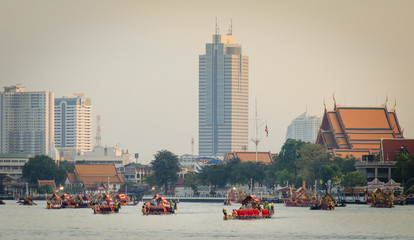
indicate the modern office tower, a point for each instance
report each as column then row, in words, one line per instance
column 27, row 120
column 304, row 128
column 73, row 124
column 223, row 97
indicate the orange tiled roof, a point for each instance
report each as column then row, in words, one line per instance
column 369, row 136
column 264, row 157
column 95, row 169
column 354, row 129
column 329, row 140
column 121, row 178
column 94, row 173
column 333, row 119
column 394, row 123
column 342, row 141
column 366, row 146
column 46, row 182
column 100, row 179
column 364, row 118
column 71, row 177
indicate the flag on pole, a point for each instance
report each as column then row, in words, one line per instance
column 267, row 131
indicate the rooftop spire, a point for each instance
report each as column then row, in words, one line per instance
column 217, row 28
column 230, row 28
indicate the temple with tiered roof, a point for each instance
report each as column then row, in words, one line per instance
column 357, row 131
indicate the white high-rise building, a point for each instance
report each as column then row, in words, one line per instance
column 223, row 97
column 73, row 124
column 304, row 128
column 27, row 120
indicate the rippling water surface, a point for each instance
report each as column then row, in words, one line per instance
column 205, row 221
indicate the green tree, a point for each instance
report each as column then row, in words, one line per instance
column 312, row 157
column 353, row 179
column 404, row 170
column 151, row 180
column 329, row 172
column 285, row 177
column 192, row 181
column 288, row 155
column 45, row 189
column 346, row 164
column 166, row 168
column 270, row 175
column 215, row 175
column 235, row 172
column 254, row 172
column 42, row 167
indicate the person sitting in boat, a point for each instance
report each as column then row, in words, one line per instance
column 266, row 205
column 249, row 205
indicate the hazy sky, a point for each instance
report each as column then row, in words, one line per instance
column 138, row 61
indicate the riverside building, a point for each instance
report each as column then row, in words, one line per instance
column 223, row 97
column 73, row 124
column 26, row 121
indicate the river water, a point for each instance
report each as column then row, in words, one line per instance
column 205, row 221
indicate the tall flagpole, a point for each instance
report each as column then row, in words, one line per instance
column 256, row 140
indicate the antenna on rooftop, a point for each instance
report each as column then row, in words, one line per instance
column 231, row 28
column 217, row 28
column 98, row 132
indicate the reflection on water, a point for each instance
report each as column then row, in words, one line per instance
column 205, row 221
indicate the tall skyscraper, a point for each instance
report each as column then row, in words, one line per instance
column 27, row 120
column 304, row 128
column 73, row 123
column 223, row 97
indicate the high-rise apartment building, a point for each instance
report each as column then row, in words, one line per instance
column 223, row 97
column 27, row 120
column 73, row 123
column 304, row 128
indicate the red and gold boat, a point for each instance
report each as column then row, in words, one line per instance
column 251, row 209
column 158, row 206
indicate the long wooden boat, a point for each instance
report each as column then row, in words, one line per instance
column 251, row 209
column 327, row 202
column 54, row 202
column 158, row 206
column 27, row 201
column 106, row 205
column 382, row 198
column 105, row 209
column 298, row 198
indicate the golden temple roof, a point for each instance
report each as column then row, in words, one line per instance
column 357, row 131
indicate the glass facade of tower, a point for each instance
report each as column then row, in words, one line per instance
column 223, row 97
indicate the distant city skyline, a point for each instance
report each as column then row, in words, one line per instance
column 304, row 127
column 138, row 61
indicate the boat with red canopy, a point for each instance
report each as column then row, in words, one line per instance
column 159, row 205
column 106, row 205
column 122, row 198
column 251, row 209
column 54, row 202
